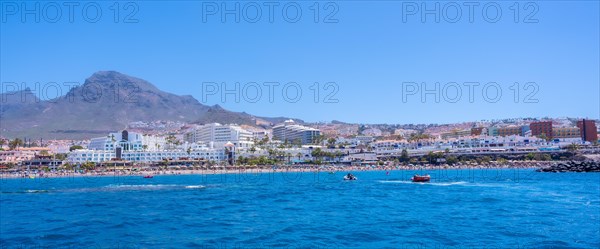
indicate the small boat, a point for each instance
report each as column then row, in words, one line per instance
column 418, row 178
column 148, row 176
column 350, row 177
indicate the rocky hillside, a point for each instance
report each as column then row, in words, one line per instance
column 107, row 101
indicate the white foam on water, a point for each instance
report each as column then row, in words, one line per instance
column 36, row 191
column 428, row 183
column 445, row 183
column 141, row 186
column 195, row 186
column 405, row 182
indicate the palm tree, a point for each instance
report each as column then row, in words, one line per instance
column 14, row 144
column 317, row 153
column 319, row 139
column 331, row 142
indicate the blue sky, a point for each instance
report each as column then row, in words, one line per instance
column 369, row 54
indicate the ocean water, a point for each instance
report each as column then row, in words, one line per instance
column 458, row 209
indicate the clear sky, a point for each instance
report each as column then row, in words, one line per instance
column 370, row 50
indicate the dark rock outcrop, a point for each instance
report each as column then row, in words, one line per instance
column 572, row 166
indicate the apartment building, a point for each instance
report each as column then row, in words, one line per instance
column 291, row 132
column 566, row 132
column 541, row 127
column 127, row 141
column 588, row 130
column 218, row 135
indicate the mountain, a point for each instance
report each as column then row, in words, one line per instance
column 107, row 101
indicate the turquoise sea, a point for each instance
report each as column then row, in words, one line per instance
column 458, row 209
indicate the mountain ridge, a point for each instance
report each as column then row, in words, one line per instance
column 107, row 101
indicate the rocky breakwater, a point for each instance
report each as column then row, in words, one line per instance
column 572, row 166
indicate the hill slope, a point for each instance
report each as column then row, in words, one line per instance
column 107, row 101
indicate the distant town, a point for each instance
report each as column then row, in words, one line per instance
column 178, row 145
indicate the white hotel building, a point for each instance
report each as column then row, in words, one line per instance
column 218, row 135
column 290, row 131
column 140, row 148
column 97, row 156
column 133, row 141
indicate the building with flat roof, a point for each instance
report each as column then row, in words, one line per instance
column 509, row 131
column 541, row 127
column 209, row 154
column 15, row 156
column 218, row 135
column 292, row 132
column 588, row 130
column 477, row 131
column 566, row 132
column 456, row 134
column 127, row 141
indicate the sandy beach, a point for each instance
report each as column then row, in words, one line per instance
column 273, row 169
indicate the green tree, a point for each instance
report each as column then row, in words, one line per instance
column 67, row 166
column 319, row 139
column 404, row 156
column 297, row 142
column 544, row 136
column 317, row 153
column 88, row 165
column 15, row 143
column 530, row 156
column 572, row 147
column 331, row 142
column 60, row 156
column 75, row 147
column 451, row 160
column 543, row 157
column 431, row 157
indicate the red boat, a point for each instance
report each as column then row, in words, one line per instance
column 148, row 176
column 418, row 178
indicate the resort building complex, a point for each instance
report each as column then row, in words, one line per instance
column 291, row 132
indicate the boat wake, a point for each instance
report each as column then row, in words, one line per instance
column 113, row 188
column 195, row 186
column 151, row 187
column 426, row 183
column 35, row 191
column 455, row 183
column 447, row 183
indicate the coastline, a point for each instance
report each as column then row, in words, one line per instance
column 276, row 169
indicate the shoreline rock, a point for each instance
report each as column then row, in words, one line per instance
column 572, row 166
